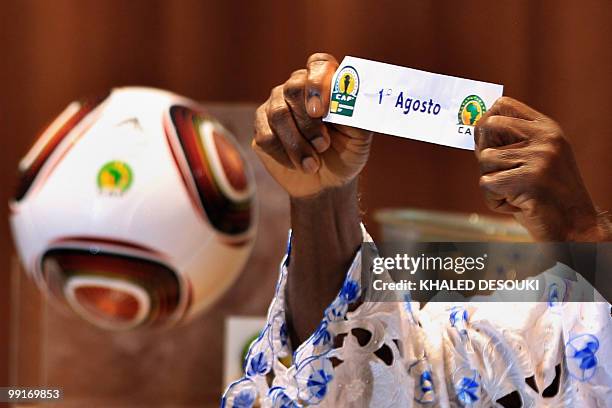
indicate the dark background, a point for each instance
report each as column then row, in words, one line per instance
column 553, row 55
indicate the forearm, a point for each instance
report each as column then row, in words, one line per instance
column 326, row 236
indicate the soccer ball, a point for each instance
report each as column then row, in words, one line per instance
column 135, row 209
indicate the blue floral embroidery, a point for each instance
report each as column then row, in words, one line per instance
column 244, row 400
column 313, row 377
column 350, row 290
column 467, row 390
column 322, row 336
column 257, row 365
column 587, row 356
column 280, row 399
column 458, row 319
column 553, row 295
column 288, row 249
column 337, row 310
column 582, row 361
column 424, row 387
column 261, row 352
column 240, row 394
column 427, row 390
column 283, row 334
column 426, row 382
column 317, row 383
column 279, row 336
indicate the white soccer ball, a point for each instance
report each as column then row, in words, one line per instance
column 136, row 209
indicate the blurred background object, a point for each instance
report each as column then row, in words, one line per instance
column 553, row 55
column 410, row 225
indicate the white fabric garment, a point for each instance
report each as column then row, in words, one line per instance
column 475, row 354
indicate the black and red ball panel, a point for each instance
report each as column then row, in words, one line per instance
column 112, row 287
column 218, row 179
column 49, row 141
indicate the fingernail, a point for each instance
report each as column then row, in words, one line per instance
column 320, row 144
column 310, row 165
column 315, row 106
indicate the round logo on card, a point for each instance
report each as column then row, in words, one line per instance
column 344, row 94
column 472, row 108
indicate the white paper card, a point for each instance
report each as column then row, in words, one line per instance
column 409, row 103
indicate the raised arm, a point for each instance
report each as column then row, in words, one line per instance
column 318, row 165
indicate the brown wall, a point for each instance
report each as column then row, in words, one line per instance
column 554, row 55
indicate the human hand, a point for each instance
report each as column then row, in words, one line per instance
column 528, row 169
column 304, row 154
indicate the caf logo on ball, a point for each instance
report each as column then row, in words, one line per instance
column 115, row 177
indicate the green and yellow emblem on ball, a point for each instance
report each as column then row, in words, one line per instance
column 472, row 108
column 115, row 177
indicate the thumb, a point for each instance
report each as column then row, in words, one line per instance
column 320, row 69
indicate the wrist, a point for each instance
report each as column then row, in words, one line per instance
column 309, row 195
column 327, row 223
column 593, row 226
column 332, row 210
